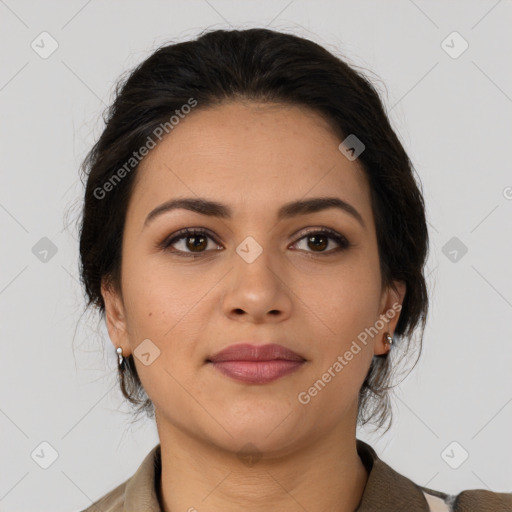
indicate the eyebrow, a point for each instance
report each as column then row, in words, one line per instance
column 288, row 210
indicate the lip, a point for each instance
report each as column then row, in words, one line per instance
column 256, row 364
column 248, row 352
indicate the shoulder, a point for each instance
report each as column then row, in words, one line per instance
column 387, row 490
column 113, row 501
column 139, row 492
column 469, row 501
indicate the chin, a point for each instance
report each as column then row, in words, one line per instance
column 270, row 431
column 255, row 443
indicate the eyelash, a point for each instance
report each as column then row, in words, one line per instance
column 184, row 233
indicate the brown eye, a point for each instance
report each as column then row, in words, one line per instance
column 191, row 240
column 196, row 242
column 318, row 241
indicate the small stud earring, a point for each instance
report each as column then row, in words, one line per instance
column 119, row 351
column 388, row 340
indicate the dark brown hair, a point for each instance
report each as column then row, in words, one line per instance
column 262, row 65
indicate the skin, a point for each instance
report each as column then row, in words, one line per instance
column 253, row 157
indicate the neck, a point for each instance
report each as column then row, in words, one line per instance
column 325, row 476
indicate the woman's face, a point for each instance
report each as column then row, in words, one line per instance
column 260, row 274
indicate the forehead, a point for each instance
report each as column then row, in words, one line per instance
column 250, row 155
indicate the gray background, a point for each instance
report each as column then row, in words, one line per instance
column 453, row 115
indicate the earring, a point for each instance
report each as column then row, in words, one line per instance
column 119, row 351
column 388, row 340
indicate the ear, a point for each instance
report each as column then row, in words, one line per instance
column 391, row 306
column 115, row 316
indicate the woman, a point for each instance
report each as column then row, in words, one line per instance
column 254, row 236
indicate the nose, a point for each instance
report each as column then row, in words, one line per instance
column 256, row 289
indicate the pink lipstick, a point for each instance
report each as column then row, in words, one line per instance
column 256, row 364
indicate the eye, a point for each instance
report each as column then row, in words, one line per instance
column 319, row 241
column 196, row 241
column 193, row 241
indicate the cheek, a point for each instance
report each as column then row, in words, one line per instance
column 343, row 350
column 159, row 295
column 347, row 305
column 345, row 299
column 166, row 304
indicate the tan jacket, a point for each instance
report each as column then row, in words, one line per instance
column 385, row 491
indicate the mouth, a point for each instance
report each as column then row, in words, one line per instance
column 256, row 364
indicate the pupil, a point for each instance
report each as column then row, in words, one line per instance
column 318, row 245
column 195, row 239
